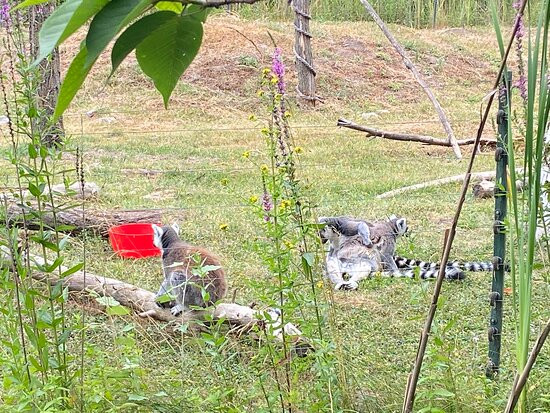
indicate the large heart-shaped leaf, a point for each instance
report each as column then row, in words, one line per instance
column 135, row 34
column 74, row 78
column 63, row 22
column 108, row 22
column 168, row 51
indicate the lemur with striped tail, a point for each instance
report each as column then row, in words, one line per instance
column 476, row 266
column 192, row 275
column 351, row 255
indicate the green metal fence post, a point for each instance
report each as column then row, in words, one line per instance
column 499, row 243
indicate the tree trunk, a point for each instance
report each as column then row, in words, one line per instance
column 303, row 54
column 50, row 78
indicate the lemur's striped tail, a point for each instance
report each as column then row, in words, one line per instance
column 451, row 273
column 408, row 263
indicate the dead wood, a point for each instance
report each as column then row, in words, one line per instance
column 75, row 220
column 396, row 136
column 486, row 189
column 437, row 182
column 451, row 140
column 143, row 303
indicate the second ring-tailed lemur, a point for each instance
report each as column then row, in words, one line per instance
column 349, row 254
column 191, row 274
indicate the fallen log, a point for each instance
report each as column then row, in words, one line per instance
column 75, row 220
column 479, row 176
column 486, row 189
column 143, row 303
column 425, row 139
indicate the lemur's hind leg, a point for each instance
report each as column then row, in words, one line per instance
column 358, row 270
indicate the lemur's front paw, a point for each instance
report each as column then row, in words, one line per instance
column 176, row 310
column 346, row 286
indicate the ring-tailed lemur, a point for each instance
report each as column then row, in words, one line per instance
column 475, row 266
column 189, row 271
column 349, row 255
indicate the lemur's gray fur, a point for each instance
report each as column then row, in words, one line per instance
column 348, row 254
column 183, row 278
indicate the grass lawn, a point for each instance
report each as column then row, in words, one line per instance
column 205, row 182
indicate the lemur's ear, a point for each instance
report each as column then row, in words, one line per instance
column 401, row 225
column 176, row 227
column 157, row 231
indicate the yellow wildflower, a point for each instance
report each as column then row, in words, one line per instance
column 253, row 199
column 264, row 168
column 298, row 149
column 224, row 181
column 223, row 226
column 246, row 154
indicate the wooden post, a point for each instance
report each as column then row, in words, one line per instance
column 303, row 54
column 50, row 76
column 499, row 243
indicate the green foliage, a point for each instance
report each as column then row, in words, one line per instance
column 417, row 13
column 525, row 206
column 166, row 41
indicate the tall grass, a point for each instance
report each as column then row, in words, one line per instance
column 415, row 13
column 524, row 207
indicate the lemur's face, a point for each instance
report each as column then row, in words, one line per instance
column 328, row 233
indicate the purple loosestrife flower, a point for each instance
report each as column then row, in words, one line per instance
column 521, row 83
column 5, row 18
column 278, row 68
column 267, row 205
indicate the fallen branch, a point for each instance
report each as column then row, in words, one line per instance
column 486, row 189
column 428, row 140
column 142, row 302
column 442, row 181
column 97, row 221
column 520, row 381
column 451, row 140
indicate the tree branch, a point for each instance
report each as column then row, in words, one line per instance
column 428, row 140
column 451, row 140
column 216, row 3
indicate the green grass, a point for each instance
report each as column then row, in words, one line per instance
column 378, row 326
column 418, row 13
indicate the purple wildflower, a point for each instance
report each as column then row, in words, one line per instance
column 521, row 83
column 267, row 204
column 278, row 68
column 5, row 18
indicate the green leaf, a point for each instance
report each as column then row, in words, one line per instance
column 443, row 393
column 107, row 301
column 170, row 6
column 135, row 34
column 33, row 153
column 63, row 22
column 73, row 80
column 108, row 22
column 28, row 3
column 168, row 51
column 309, row 258
column 117, row 310
column 136, row 397
column 208, row 268
column 34, row 190
column 72, row 270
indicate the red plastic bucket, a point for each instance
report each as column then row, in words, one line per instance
column 133, row 240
